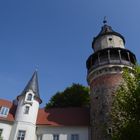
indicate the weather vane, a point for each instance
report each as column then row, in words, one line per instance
column 105, row 20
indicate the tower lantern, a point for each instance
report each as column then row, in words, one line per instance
column 104, row 74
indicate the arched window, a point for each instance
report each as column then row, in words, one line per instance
column 29, row 97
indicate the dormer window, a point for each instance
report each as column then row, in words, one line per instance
column 29, row 97
column 4, row 111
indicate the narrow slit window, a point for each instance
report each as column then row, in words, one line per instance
column 26, row 110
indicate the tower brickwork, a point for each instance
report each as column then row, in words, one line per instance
column 104, row 75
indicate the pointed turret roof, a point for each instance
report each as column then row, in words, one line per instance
column 32, row 85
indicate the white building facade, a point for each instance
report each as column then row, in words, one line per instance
column 24, row 120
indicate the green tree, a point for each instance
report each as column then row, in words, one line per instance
column 74, row 96
column 126, row 107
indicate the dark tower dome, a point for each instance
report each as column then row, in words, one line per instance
column 107, row 38
column 107, row 30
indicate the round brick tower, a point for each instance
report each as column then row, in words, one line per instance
column 104, row 75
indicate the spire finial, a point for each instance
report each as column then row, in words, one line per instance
column 32, row 85
column 105, row 20
column 36, row 68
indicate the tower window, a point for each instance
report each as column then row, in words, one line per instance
column 21, row 135
column 109, row 130
column 55, row 137
column 74, row 137
column 4, row 111
column 29, row 97
column 26, row 110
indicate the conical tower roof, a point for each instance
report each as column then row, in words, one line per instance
column 32, row 85
column 107, row 30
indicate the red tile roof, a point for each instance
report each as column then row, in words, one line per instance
column 74, row 116
column 64, row 117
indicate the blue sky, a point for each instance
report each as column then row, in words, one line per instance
column 55, row 37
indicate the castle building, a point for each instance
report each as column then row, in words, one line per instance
column 105, row 68
column 23, row 119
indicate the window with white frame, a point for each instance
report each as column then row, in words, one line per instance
column 26, row 111
column 55, row 137
column 4, row 111
column 1, row 130
column 74, row 137
column 29, row 97
column 21, row 135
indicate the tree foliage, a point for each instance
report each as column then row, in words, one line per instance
column 126, row 107
column 1, row 138
column 74, row 96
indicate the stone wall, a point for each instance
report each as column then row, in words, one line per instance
column 102, row 90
